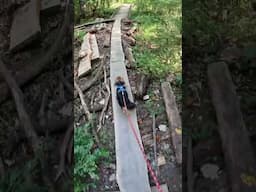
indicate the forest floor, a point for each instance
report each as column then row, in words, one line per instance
column 154, row 105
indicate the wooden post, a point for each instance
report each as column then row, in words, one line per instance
column 236, row 145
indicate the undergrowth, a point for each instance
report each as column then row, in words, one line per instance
column 87, row 159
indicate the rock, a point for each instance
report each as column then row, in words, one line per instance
column 146, row 97
column 25, row 25
column 102, row 101
column 112, row 177
column 112, row 166
column 162, row 127
column 210, row 171
column 161, row 160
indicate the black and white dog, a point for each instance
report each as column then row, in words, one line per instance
column 122, row 96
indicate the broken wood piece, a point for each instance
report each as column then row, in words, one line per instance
column 94, row 47
column 107, row 39
column 25, row 25
column 50, row 6
column 128, row 54
column 173, row 119
column 142, row 82
column 161, row 160
column 130, row 40
column 86, row 54
column 236, row 145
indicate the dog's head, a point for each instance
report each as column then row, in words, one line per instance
column 119, row 79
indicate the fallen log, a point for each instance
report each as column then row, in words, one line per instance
column 237, row 149
column 173, row 119
column 94, row 23
column 39, row 63
column 128, row 54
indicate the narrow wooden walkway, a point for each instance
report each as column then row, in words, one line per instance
column 132, row 175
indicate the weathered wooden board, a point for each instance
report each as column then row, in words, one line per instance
column 94, row 47
column 238, row 152
column 85, row 54
column 154, row 189
column 50, row 5
column 130, row 176
column 84, row 66
column 173, row 119
column 25, row 25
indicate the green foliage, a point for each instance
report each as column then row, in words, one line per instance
column 18, row 179
column 159, row 39
column 79, row 34
column 87, row 159
column 88, row 10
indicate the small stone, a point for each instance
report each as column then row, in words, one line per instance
column 162, row 127
column 146, row 97
column 161, row 160
column 106, row 116
column 112, row 177
column 210, row 171
column 112, row 166
column 102, row 101
column 166, row 146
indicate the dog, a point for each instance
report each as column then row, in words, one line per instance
column 122, row 96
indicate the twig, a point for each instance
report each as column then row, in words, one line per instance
column 106, row 82
column 85, row 108
column 87, row 112
column 190, row 176
column 63, row 149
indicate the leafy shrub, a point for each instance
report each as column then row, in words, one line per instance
column 87, row 159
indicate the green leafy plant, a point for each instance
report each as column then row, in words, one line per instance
column 87, row 159
column 20, row 179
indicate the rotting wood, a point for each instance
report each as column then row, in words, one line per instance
column 129, row 39
column 39, row 63
column 154, row 141
column 85, row 55
column 128, row 54
column 236, row 145
column 141, row 85
column 106, row 83
column 93, row 23
column 173, row 119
